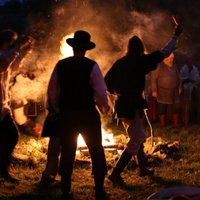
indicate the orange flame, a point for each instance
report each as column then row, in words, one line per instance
column 65, row 49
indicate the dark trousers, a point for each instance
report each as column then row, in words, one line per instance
column 8, row 139
column 164, row 109
column 89, row 125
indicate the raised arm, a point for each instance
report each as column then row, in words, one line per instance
column 170, row 46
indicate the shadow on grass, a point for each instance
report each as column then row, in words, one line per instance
column 155, row 179
column 30, row 197
column 38, row 192
column 164, row 182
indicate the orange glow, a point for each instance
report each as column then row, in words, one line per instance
column 65, row 49
column 107, row 139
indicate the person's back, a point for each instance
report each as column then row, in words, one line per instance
column 75, row 71
column 76, row 87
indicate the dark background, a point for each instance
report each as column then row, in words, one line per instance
column 110, row 22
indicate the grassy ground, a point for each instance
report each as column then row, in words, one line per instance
column 181, row 168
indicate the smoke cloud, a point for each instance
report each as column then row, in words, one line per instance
column 110, row 25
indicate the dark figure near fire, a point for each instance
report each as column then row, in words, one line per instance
column 75, row 88
column 11, row 55
column 126, row 79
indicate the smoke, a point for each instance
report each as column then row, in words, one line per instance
column 110, row 25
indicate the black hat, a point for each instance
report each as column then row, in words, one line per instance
column 81, row 41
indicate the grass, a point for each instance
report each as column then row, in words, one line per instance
column 182, row 168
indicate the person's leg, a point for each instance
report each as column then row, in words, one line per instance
column 185, row 107
column 135, row 145
column 136, row 138
column 126, row 155
column 143, row 171
column 152, row 104
column 162, row 108
column 124, row 159
column 176, row 117
column 93, row 138
column 51, row 169
column 8, row 140
column 68, row 153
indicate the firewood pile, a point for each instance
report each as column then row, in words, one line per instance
column 30, row 153
column 162, row 149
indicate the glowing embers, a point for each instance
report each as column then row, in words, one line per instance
column 107, row 142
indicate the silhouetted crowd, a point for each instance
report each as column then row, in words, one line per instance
column 78, row 94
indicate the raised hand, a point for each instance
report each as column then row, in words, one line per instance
column 178, row 28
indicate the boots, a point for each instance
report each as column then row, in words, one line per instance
column 143, row 171
column 100, row 193
column 162, row 120
column 121, row 164
column 175, row 120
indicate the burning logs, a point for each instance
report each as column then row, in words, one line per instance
column 162, row 149
column 32, row 152
column 113, row 148
column 106, row 147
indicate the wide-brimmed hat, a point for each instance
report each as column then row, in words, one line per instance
column 81, row 41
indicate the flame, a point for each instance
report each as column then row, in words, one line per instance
column 65, row 49
column 107, row 139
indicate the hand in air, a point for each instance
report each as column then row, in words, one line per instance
column 178, row 26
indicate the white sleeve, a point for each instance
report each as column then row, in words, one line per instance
column 100, row 89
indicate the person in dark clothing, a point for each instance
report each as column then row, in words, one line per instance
column 11, row 55
column 75, row 89
column 126, row 79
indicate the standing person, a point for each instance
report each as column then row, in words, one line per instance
column 76, row 87
column 190, row 77
column 126, row 79
column 10, row 59
column 166, row 87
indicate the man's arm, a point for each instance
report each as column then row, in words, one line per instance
column 168, row 49
column 53, row 92
column 100, row 89
column 24, row 48
column 11, row 58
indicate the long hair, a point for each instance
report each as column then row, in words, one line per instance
column 135, row 47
